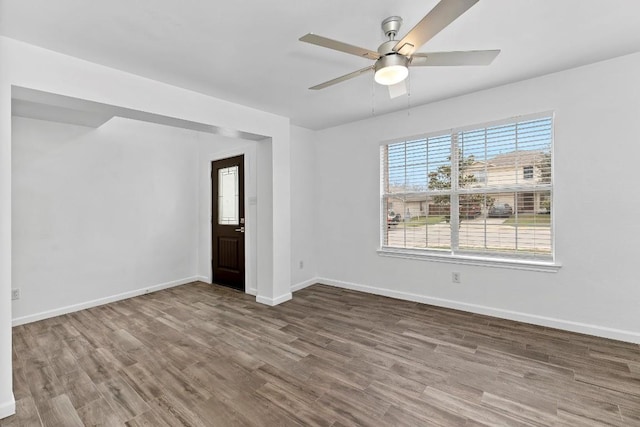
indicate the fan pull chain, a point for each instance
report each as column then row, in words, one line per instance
column 409, row 96
column 373, row 98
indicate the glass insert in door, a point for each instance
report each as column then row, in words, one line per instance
column 228, row 196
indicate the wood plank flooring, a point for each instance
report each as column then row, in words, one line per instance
column 201, row 355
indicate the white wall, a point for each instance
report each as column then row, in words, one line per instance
column 266, row 215
column 596, row 208
column 100, row 212
column 31, row 67
column 80, row 195
column 303, row 207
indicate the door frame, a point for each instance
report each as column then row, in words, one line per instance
column 250, row 265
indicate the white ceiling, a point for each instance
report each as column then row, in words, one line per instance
column 247, row 51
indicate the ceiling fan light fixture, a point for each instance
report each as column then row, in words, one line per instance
column 391, row 69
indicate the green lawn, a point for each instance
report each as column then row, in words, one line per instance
column 529, row 220
column 418, row 221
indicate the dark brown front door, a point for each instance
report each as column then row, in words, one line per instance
column 227, row 222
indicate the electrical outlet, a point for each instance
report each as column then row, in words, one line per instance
column 15, row 294
column 301, row 265
column 455, row 277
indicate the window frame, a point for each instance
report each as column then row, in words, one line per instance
column 515, row 261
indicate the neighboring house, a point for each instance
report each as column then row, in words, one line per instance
column 409, row 205
column 521, row 168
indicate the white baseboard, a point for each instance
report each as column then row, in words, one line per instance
column 305, row 284
column 8, row 408
column 204, row 279
column 94, row 303
column 274, row 301
column 567, row 325
column 251, row 291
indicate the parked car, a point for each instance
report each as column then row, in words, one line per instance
column 500, row 210
column 393, row 218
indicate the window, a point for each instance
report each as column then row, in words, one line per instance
column 482, row 191
column 228, row 195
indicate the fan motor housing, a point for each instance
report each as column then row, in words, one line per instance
column 391, row 60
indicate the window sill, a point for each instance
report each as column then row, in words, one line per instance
column 517, row 264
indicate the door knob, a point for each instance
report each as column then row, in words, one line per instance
column 241, row 229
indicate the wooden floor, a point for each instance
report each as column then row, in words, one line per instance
column 199, row 355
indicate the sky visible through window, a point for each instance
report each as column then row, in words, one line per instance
column 410, row 162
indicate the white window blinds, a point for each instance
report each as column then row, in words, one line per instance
column 480, row 190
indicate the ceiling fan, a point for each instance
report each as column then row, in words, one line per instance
column 393, row 57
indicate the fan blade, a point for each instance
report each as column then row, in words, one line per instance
column 470, row 57
column 443, row 14
column 341, row 79
column 398, row 89
column 339, row 46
